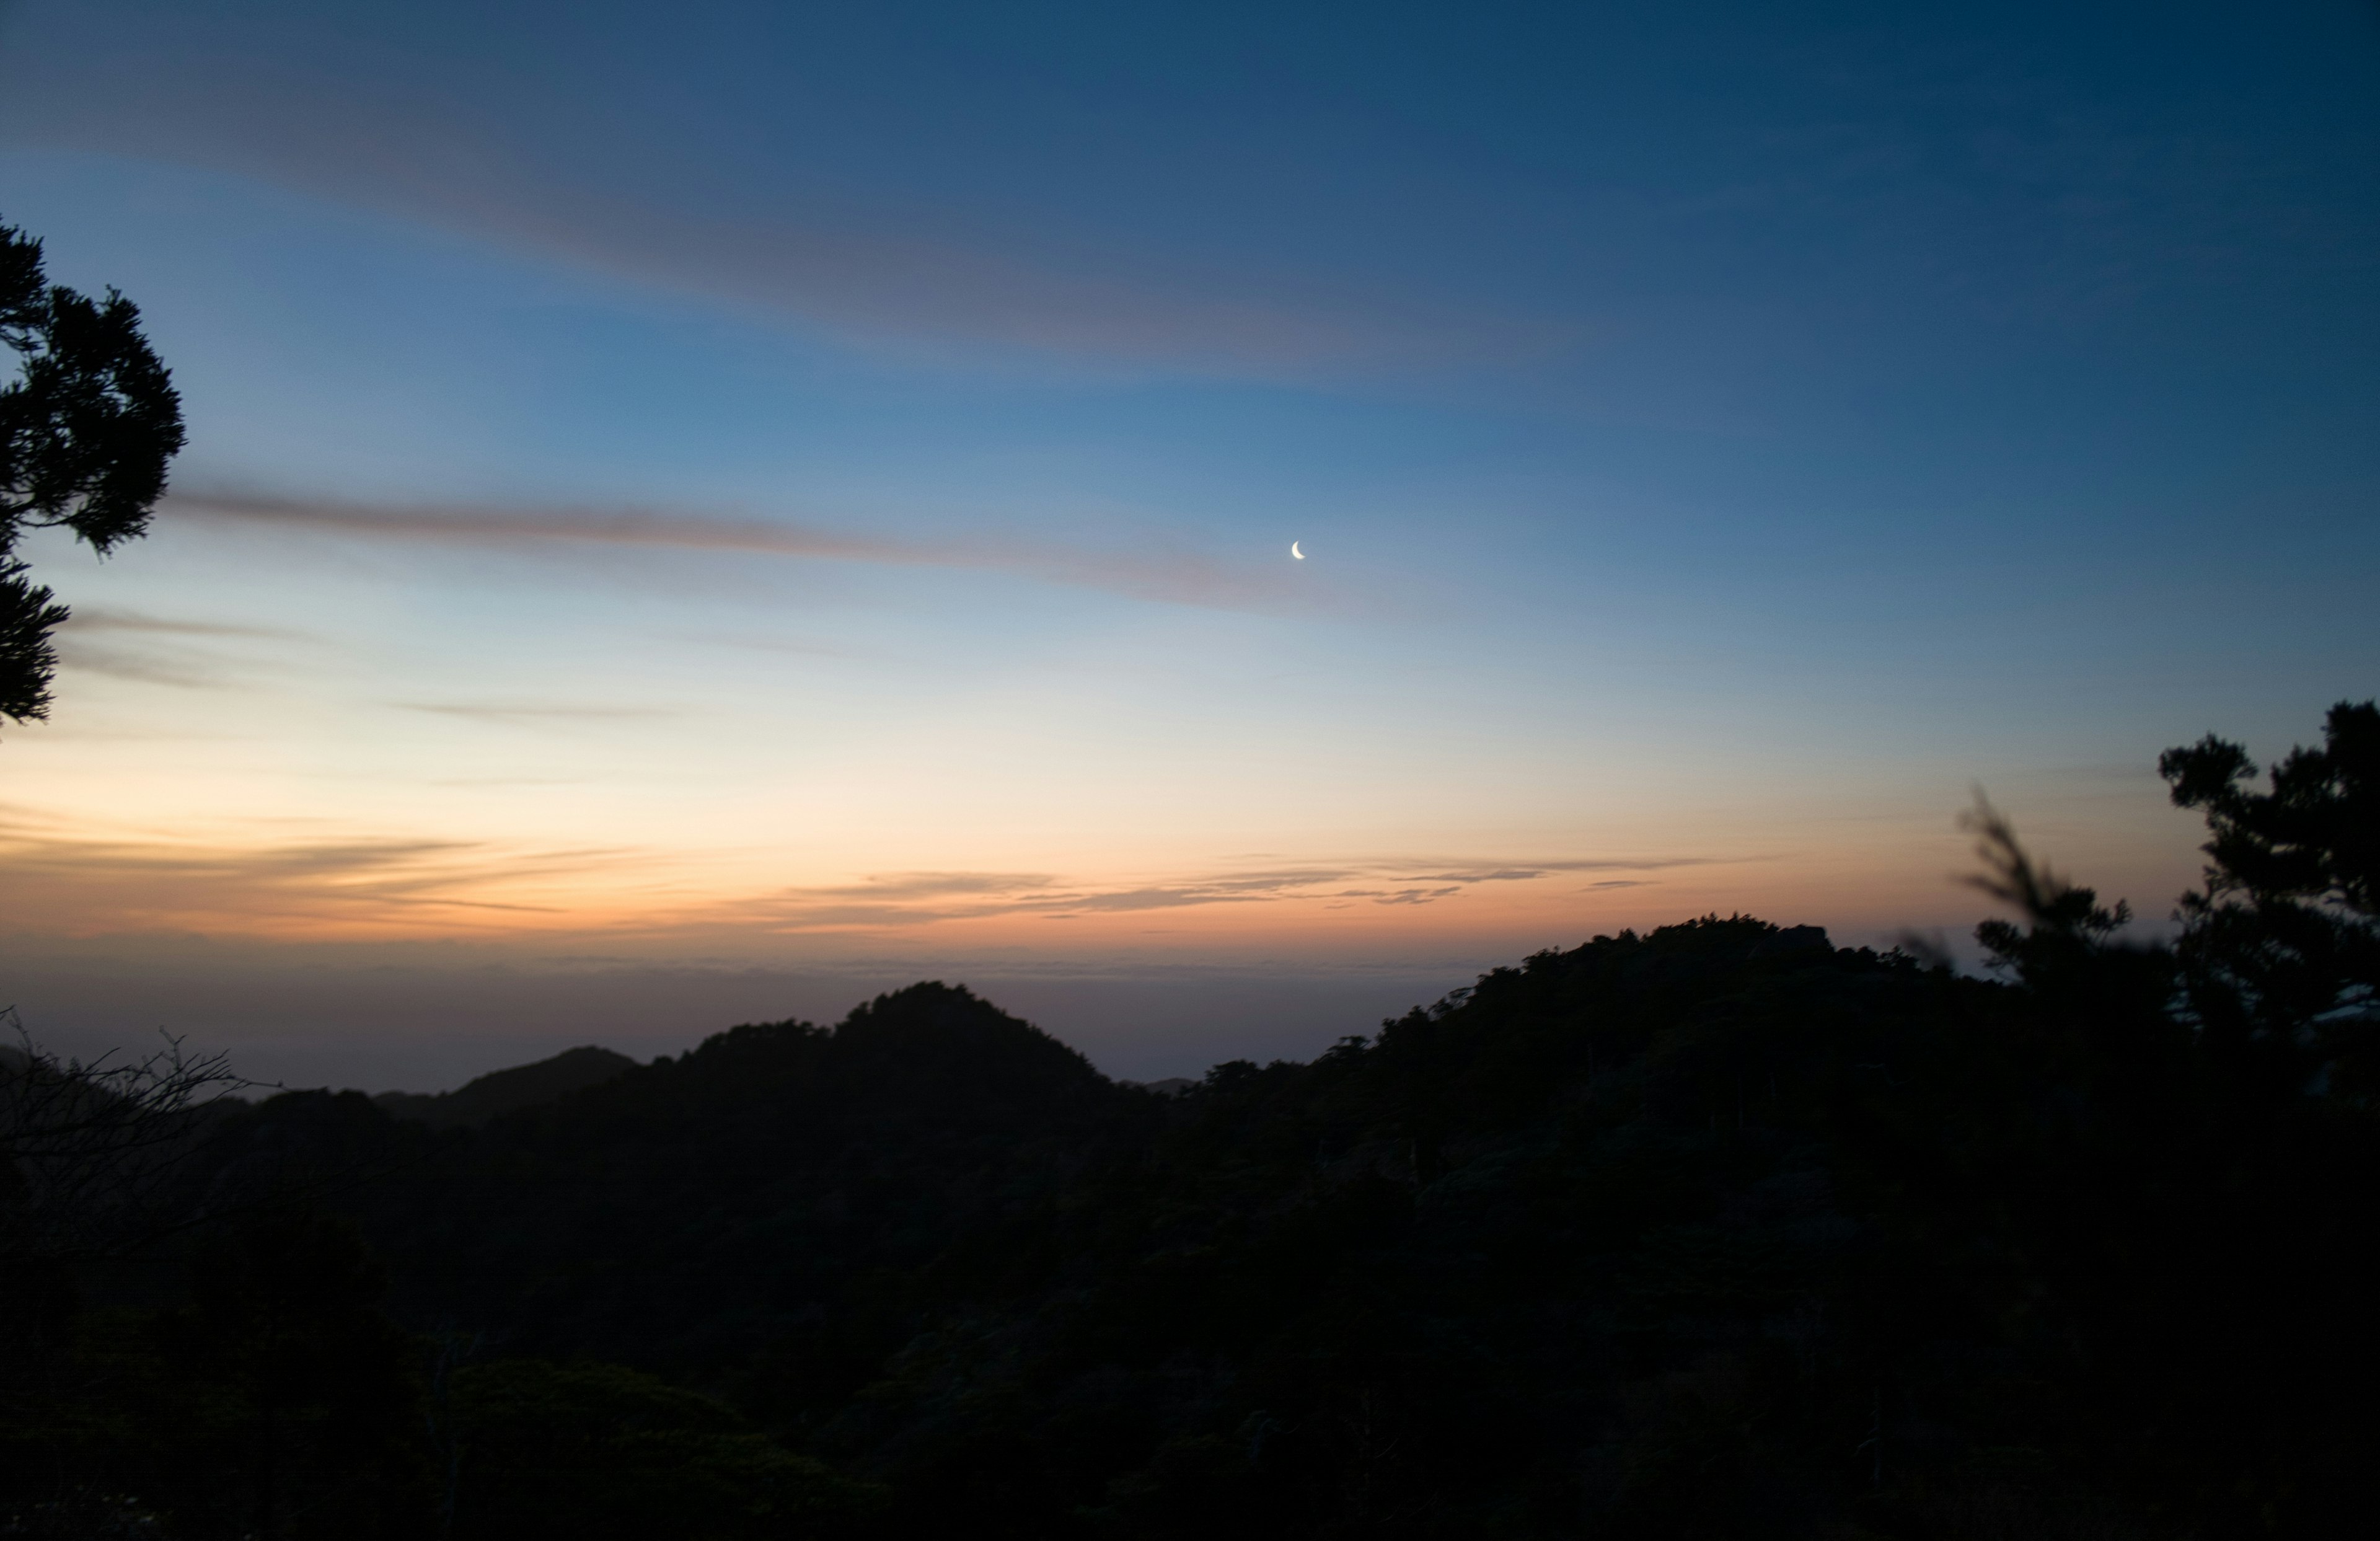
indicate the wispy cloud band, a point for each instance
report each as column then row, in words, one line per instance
column 1174, row 577
column 53, row 879
column 133, row 880
column 914, row 899
column 926, row 278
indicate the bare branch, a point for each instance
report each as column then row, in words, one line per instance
column 88, row 1150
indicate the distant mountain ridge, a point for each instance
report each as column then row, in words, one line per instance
column 686, row 1212
column 1718, row 1229
column 508, row 1091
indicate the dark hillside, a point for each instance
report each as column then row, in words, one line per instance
column 508, row 1091
column 1719, row 1230
column 1715, row 1232
column 1573, row 1247
column 679, row 1214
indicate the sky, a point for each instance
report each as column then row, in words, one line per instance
column 700, row 514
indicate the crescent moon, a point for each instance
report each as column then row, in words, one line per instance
column 1296, row 552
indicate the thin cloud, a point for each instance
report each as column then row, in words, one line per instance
column 1500, row 875
column 866, row 277
column 918, row 899
column 60, row 881
column 897, row 887
column 135, row 880
column 1173, row 576
column 535, row 714
column 99, row 618
column 780, row 645
column 141, row 666
column 921, row 281
column 1420, row 895
column 1546, row 869
column 128, row 645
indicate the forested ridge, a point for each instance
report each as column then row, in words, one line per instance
column 1715, row 1231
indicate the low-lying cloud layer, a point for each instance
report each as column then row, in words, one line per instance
column 914, row 899
column 57, row 881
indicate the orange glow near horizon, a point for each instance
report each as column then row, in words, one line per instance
column 59, row 878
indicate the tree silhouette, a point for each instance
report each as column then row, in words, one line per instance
column 86, row 431
column 2280, row 950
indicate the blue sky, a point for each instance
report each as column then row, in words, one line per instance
column 656, row 476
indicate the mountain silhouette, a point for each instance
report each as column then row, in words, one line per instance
column 684, row 1212
column 508, row 1091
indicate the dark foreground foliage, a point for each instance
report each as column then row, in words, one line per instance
column 1720, row 1231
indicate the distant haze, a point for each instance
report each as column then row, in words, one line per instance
column 425, row 1029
